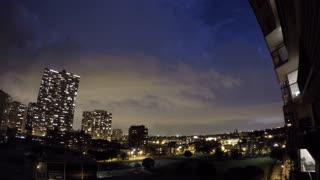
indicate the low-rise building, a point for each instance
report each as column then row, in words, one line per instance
column 78, row 140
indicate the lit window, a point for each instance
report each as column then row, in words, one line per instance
column 294, row 88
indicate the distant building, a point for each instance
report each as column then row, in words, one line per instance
column 97, row 123
column 72, row 139
column 117, row 134
column 56, row 101
column 32, row 119
column 5, row 100
column 291, row 32
column 17, row 116
column 138, row 136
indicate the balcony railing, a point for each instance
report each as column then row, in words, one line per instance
column 280, row 55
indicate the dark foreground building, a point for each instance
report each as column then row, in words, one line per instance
column 138, row 136
column 77, row 140
column 5, row 101
column 291, row 31
column 12, row 113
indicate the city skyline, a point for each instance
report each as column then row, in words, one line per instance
column 176, row 76
column 165, row 89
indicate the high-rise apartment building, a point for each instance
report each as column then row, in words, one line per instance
column 5, row 101
column 138, row 136
column 97, row 123
column 291, row 31
column 56, row 101
column 117, row 134
column 32, row 119
column 17, row 115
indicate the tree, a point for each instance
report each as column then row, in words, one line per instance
column 204, row 147
column 124, row 156
column 104, row 155
column 110, row 153
column 188, row 154
column 99, row 155
column 277, row 153
column 235, row 154
column 148, row 163
column 218, row 154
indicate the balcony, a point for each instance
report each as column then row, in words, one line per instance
column 310, row 140
column 299, row 133
column 280, row 55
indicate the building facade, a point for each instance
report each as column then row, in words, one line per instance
column 138, row 136
column 5, row 101
column 117, row 135
column 97, row 123
column 32, row 118
column 78, row 140
column 291, row 31
column 17, row 116
column 56, row 101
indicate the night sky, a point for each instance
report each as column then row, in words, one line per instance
column 176, row 66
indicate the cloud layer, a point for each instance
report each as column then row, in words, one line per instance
column 173, row 66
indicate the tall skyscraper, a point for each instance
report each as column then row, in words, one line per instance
column 5, row 100
column 32, row 119
column 97, row 123
column 138, row 136
column 56, row 101
column 17, row 116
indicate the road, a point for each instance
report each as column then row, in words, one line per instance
column 276, row 172
column 280, row 172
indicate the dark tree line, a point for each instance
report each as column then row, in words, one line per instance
column 104, row 155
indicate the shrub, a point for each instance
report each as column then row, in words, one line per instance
column 148, row 163
column 188, row 154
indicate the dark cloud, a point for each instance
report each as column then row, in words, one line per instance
column 18, row 26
